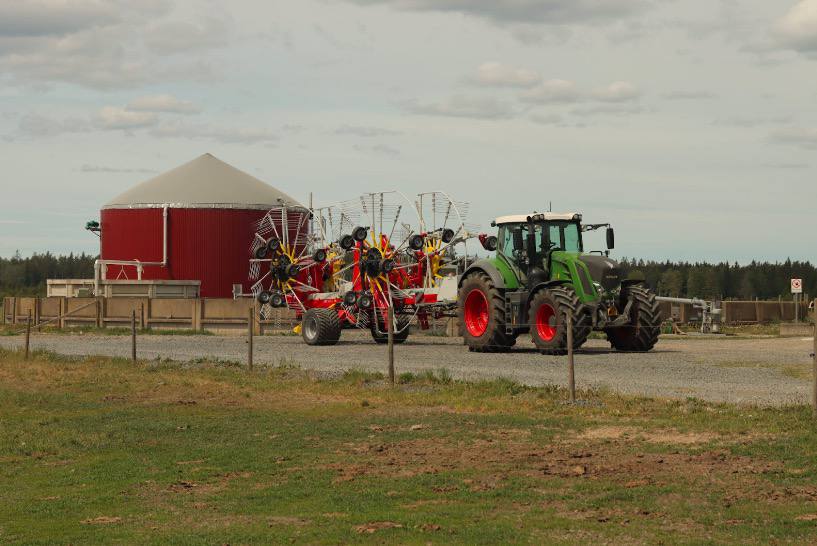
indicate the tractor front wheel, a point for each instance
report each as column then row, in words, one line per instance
column 548, row 312
column 321, row 327
column 481, row 310
column 641, row 334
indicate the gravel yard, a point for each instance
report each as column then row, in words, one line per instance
column 756, row 371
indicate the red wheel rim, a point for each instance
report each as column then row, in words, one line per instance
column 476, row 313
column 546, row 322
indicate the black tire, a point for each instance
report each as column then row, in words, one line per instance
column 346, row 242
column 558, row 301
column 416, row 242
column 320, row 327
column 642, row 333
column 381, row 337
column 493, row 339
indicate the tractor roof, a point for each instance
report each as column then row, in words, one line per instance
column 538, row 217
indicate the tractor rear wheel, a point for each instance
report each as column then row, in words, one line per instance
column 642, row 333
column 381, row 336
column 548, row 312
column 320, row 327
column 481, row 309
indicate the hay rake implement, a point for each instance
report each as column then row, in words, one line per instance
column 348, row 265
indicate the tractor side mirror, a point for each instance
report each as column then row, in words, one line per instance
column 488, row 241
column 611, row 239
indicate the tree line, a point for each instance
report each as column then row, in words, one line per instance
column 26, row 276
column 763, row 280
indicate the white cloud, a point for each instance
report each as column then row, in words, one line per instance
column 179, row 36
column 689, row 95
column 87, row 168
column 608, row 110
column 112, row 117
column 460, row 106
column 796, row 136
column 162, row 103
column 39, row 126
column 101, row 45
column 53, row 17
column 365, row 131
column 202, row 131
column 620, row 91
column 798, row 28
column 379, row 149
column 495, row 74
column 553, row 91
column 551, row 12
column 547, row 119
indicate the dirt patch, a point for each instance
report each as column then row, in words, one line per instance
column 665, row 436
column 101, row 520
column 494, row 462
column 287, row 520
column 373, row 527
column 162, row 495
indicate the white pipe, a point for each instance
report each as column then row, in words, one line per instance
column 692, row 301
column 139, row 264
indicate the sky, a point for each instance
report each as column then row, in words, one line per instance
column 689, row 125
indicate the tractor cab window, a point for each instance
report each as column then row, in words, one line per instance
column 512, row 240
column 572, row 238
column 559, row 236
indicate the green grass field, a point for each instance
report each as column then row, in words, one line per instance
column 105, row 451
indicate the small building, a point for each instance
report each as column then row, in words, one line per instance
column 193, row 223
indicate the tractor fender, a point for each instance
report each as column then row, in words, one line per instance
column 484, row 266
column 546, row 284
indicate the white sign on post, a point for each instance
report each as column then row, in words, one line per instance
column 797, row 286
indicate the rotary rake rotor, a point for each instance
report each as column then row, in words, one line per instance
column 287, row 260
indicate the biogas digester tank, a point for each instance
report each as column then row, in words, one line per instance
column 209, row 210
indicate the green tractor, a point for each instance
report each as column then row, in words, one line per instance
column 539, row 276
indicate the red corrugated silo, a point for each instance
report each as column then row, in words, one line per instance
column 195, row 222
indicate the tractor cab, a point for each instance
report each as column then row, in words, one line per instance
column 527, row 242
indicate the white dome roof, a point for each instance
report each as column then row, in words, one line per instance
column 205, row 182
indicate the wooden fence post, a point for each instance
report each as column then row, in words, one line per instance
column 193, row 313
column 63, row 311
column 133, row 335
column 391, row 345
column 37, row 314
column 28, row 334
column 571, row 371
column 814, row 366
column 250, row 327
column 14, row 310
